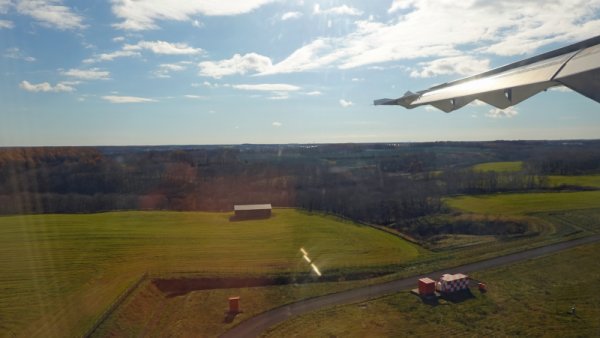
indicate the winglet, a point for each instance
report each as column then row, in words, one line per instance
column 403, row 101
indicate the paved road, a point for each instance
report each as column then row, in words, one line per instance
column 256, row 325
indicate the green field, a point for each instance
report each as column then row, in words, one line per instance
column 59, row 272
column 202, row 312
column 526, row 203
column 149, row 310
column 592, row 181
column 499, row 166
column 529, row 299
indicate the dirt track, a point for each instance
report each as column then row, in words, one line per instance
column 256, row 325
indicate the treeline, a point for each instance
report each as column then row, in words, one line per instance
column 427, row 227
column 468, row 181
column 377, row 198
column 569, row 161
column 381, row 183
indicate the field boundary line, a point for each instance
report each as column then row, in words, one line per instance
column 114, row 305
column 374, row 226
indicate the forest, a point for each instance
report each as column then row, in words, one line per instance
column 382, row 183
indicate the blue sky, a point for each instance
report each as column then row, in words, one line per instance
column 125, row 72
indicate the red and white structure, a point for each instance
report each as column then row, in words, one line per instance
column 452, row 283
column 426, row 286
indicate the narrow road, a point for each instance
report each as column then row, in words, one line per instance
column 256, row 325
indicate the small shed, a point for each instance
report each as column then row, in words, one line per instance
column 452, row 283
column 252, row 211
column 426, row 286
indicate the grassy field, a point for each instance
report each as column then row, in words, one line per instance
column 581, row 181
column 526, row 299
column 499, row 166
column 202, row 313
column 151, row 312
column 587, row 221
column 59, row 272
column 520, row 204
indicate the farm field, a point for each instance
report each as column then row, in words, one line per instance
column 532, row 298
column 203, row 312
column 525, row 203
column 592, row 181
column 61, row 271
column 150, row 310
column 499, row 166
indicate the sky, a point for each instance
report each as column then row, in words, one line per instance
column 125, row 72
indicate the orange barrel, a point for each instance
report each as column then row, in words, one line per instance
column 234, row 304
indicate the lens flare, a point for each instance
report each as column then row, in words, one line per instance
column 303, row 252
column 314, row 267
column 306, row 259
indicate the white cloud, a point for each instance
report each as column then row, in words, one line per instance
column 164, row 47
column 157, row 47
column 88, row 74
column 206, row 84
column 314, row 93
column 118, row 39
column 345, row 103
column 51, row 13
column 269, row 87
column 126, row 99
column 400, row 4
column 194, row 97
column 277, row 124
column 279, row 96
column 477, row 103
column 309, row 57
column 356, row 79
column 111, row 56
column 142, row 15
column 5, row 5
column 45, row 87
column 175, row 67
column 501, row 113
column 165, row 69
column 17, row 54
column 339, row 10
column 197, row 24
column 448, row 29
column 238, row 64
column 290, row 16
column 6, row 24
column 462, row 65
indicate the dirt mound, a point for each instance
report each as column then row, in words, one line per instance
column 181, row 286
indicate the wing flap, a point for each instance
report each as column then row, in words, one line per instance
column 576, row 66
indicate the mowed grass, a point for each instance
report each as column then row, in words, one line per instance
column 528, row 299
column 525, row 203
column 499, row 166
column 59, row 272
column 592, row 181
column 203, row 313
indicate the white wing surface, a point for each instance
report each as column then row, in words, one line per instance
column 576, row 66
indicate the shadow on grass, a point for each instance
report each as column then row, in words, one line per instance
column 459, row 296
column 455, row 297
column 230, row 316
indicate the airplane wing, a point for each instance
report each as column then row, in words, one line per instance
column 576, row 66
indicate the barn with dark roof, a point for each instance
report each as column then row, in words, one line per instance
column 252, row 211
